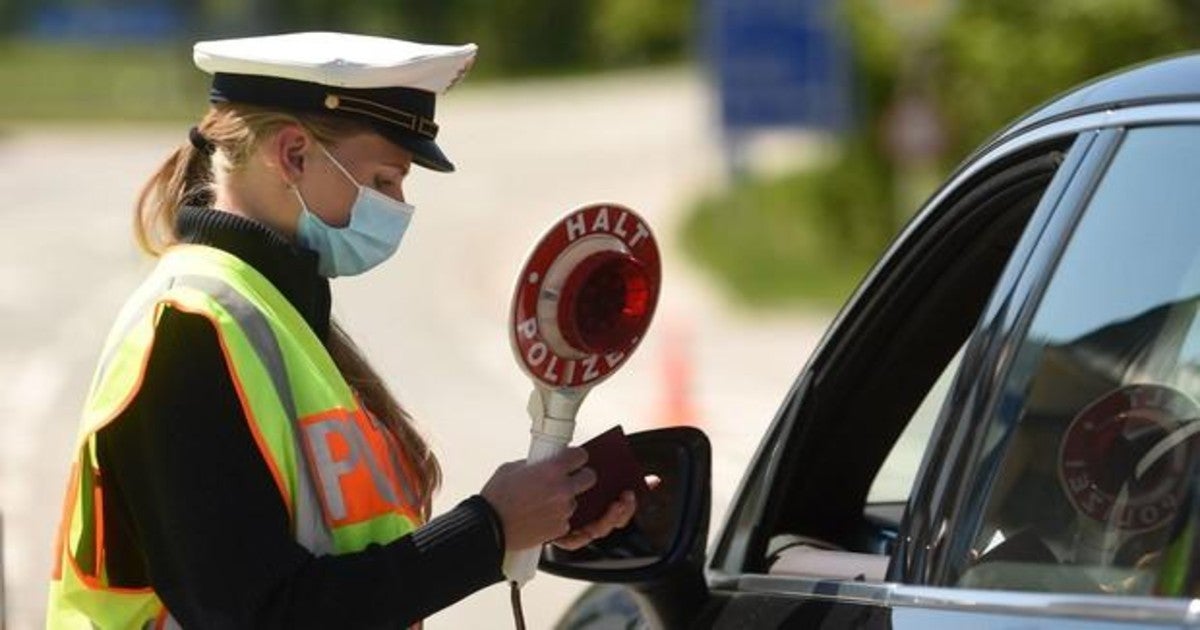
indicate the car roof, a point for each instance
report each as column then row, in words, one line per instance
column 1169, row 80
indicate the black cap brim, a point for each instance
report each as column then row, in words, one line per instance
column 402, row 115
column 425, row 152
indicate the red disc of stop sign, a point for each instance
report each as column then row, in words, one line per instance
column 585, row 296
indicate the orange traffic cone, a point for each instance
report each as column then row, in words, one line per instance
column 676, row 407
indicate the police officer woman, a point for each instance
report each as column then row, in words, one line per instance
column 240, row 464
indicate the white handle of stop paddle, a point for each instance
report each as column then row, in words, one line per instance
column 553, row 416
column 520, row 566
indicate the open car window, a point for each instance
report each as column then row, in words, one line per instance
column 1095, row 440
column 873, row 404
column 896, row 476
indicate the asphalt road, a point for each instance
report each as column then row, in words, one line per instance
column 433, row 320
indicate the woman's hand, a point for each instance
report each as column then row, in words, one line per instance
column 535, row 501
column 618, row 515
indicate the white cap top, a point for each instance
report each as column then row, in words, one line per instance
column 339, row 59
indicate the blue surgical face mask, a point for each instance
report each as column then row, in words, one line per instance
column 377, row 224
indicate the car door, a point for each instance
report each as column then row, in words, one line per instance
column 818, row 519
column 1060, row 487
column 1041, row 315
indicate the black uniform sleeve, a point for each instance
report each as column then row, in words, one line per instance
column 192, row 509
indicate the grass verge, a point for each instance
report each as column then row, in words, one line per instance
column 772, row 243
column 76, row 81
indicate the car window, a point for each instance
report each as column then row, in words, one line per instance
column 895, row 479
column 879, row 383
column 1095, row 429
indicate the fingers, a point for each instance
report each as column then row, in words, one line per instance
column 571, row 458
column 573, row 541
column 621, row 511
column 582, row 480
column 535, row 501
column 625, row 509
column 618, row 515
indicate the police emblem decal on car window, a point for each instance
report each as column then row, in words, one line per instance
column 1123, row 460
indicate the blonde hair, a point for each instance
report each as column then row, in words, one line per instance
column 186, row 178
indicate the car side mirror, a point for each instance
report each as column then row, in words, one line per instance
column 671, row 524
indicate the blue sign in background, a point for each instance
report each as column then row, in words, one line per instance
column 779, row 63
column 107, row 21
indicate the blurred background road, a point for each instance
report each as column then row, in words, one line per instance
column 433, row 319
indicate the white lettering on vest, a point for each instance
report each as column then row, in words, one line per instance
column 331, row 470
column 528, row 328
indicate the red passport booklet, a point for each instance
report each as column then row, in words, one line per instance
column 616, row 469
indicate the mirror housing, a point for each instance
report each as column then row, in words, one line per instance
column 670, row 527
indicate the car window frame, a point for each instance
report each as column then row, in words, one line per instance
column 949, row 555
column 731, row 549
column 938, row 492
column 1023, row 275
column 926, row 543
column 945, row 490
column 946, row 607
column 907, row 582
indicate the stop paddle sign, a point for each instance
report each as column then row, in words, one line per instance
column 582, row 304
column 585, row 296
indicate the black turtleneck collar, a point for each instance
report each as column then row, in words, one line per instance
column 292, row 269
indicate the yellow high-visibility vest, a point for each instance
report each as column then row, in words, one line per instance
column 343, row 476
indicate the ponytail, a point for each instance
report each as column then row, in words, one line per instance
column 183, row 178
column 375, row 396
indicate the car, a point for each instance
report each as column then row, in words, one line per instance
column 1023, row 366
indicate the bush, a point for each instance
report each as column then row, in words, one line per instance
column 998, row 59
column 991, row 61
column 782, row 240
column 77, row 81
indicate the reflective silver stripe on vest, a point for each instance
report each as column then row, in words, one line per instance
column 311, row 529
column 169, row 623
column 258, row 332
column 126, row 325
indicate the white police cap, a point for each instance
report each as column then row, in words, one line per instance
column 390, row 84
